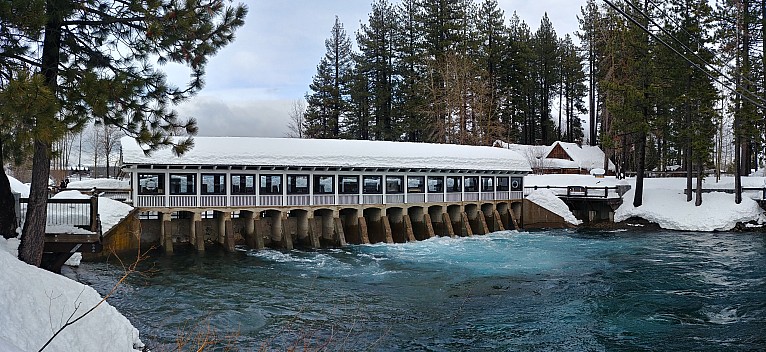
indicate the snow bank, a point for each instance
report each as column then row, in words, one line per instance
column 670, row 210
column 548, row 200
column 35, row 303
column 101, row 183
column 19, row 187
column 111, row 212
column 70, row 195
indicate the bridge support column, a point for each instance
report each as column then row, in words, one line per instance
column 466, row 225
column 314, row 233
column 409, row 233
column 278, row 234
column 249, row 219
column 302, row 231
column 448, row 230
column 166, row 238
column 340, row 235
column 429, row 226
column 225, row 231
column 387, row 229
column 498, row 222
column 364, row 238
column 482, row 221
column 198, row 232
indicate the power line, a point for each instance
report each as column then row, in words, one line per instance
column 694, row 52
column 694, row 64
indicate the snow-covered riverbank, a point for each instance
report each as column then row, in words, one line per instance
column 664, row 201
column 35, row 303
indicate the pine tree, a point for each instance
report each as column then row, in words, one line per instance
column 79, row 48
column 331, row 87
column 573, row 88
column 409, row 56
column 519, row 105
column 376, row 65
column 546, row 66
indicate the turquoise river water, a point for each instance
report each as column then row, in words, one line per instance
column 508, row 291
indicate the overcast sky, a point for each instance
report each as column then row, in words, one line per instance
column 251, row 84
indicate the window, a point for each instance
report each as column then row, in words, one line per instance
column 487, row 184
column 183, row 184
column 517, row 184
column 454, row 184
column 416, row 184
column 502, row 184
column 213, row 184
column 323, row 184
column 243, row 184
column 373, row 184
column 394, row 184
column 435, row 184
column 297, row 184
column 270, row 185
column 151, row 184
column 348, row 184
column 471, row 183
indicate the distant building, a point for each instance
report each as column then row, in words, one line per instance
column 561, row 157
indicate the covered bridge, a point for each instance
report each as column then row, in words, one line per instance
column 305, row 179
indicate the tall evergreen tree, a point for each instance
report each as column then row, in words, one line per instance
column 79, row 49
column 376, row 63
column 546, row 68
column 329, row 102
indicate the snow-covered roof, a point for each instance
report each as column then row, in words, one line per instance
column 585, row 156
column 257, row 151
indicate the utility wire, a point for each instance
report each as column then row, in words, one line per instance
column 696, row 65
column 694, row 52
column 698, row 41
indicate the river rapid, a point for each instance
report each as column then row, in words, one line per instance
column 507, row 291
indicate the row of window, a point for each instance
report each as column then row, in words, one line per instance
column 215, row 184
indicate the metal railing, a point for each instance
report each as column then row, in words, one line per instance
column 79, row 213
column 761, row 190
column 119, row 194
column 579, row 191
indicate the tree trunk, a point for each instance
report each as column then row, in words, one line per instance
column 698, row 193
column 639, row 195
column 7, row 202
column 33, row 235
column 688, row 165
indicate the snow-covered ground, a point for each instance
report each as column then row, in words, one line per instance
column 35, row 303
column 664, row 201
column 548, row 200
column 100, row 183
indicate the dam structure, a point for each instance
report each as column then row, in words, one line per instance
column 286, row 193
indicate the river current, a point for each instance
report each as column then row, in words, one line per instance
column 507, row 291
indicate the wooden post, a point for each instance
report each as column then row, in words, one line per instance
column 314, row 233
column 498, row 221
column 482, row 223
column 364, row 237
column 94, row 220
column 513, row 219
column 429, row 226
column 466, row 224
column 449, row 231
column 409, row 233
column 387, row 229
column 340, row 238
